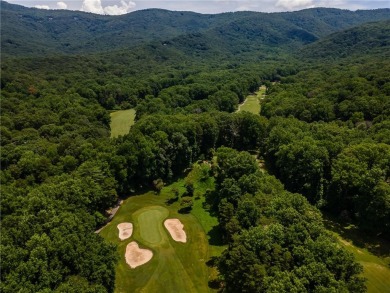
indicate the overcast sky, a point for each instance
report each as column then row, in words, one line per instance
column 115, row 7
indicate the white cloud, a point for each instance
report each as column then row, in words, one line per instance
column 247, row 7
column 202, row 6
column 95, row 6
column 342, row 4
column 42, row 6
column 125, row 7
column 294, row 4
column 62, row 5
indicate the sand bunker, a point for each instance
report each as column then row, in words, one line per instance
column 175, row 228
column 136, row 256
column 125, row 230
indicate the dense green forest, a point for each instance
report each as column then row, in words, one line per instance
column 323, row 137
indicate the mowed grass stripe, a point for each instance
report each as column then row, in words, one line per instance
column 375, row 269
column 121, row 121
column 252, row 102
column 171, row 275
column 378, row 277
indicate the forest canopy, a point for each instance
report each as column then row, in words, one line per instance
column 321, row 139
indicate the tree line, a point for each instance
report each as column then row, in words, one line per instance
column 328, row 140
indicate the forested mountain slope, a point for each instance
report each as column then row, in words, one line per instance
column 76, row 32
column 54, row 32
column 344, row 88
column 364, row 40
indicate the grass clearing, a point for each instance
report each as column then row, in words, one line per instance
column 121, row 121
column 376, row 269
column 175, row 266
column 252, row 102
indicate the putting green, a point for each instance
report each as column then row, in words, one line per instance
column 174, row 267
column 150, row 222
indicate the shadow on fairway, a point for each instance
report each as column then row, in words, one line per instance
column 215, row 236
column 215, row 284
column 171, row 200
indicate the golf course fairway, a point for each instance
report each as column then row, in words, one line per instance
column 175, row 266
column 121, row 122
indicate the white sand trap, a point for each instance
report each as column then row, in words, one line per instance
column 125, row 230
column 175, row 228
column 136, row 256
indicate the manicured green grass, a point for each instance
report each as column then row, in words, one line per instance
column 121, row 121
column 175, row 266
column 376, row 270
column 149, row 222
column 209, row 222
column 204, row 184
column 252, row 102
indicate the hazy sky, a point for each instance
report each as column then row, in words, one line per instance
column 115, row 7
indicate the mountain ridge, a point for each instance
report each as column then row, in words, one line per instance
column 372, row 37
column 35, row 32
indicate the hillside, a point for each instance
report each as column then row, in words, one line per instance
column 76, row 32
column 36, row 32
column 366, row 39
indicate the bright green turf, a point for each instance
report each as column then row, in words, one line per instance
column 121, row 121
column 174, row 267
column 149, row 222
column 252, row 102
column 376, row 270
column 208, row 221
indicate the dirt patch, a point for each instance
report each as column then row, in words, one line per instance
column 125, row 230
column 175, row 228
column 136, row 256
